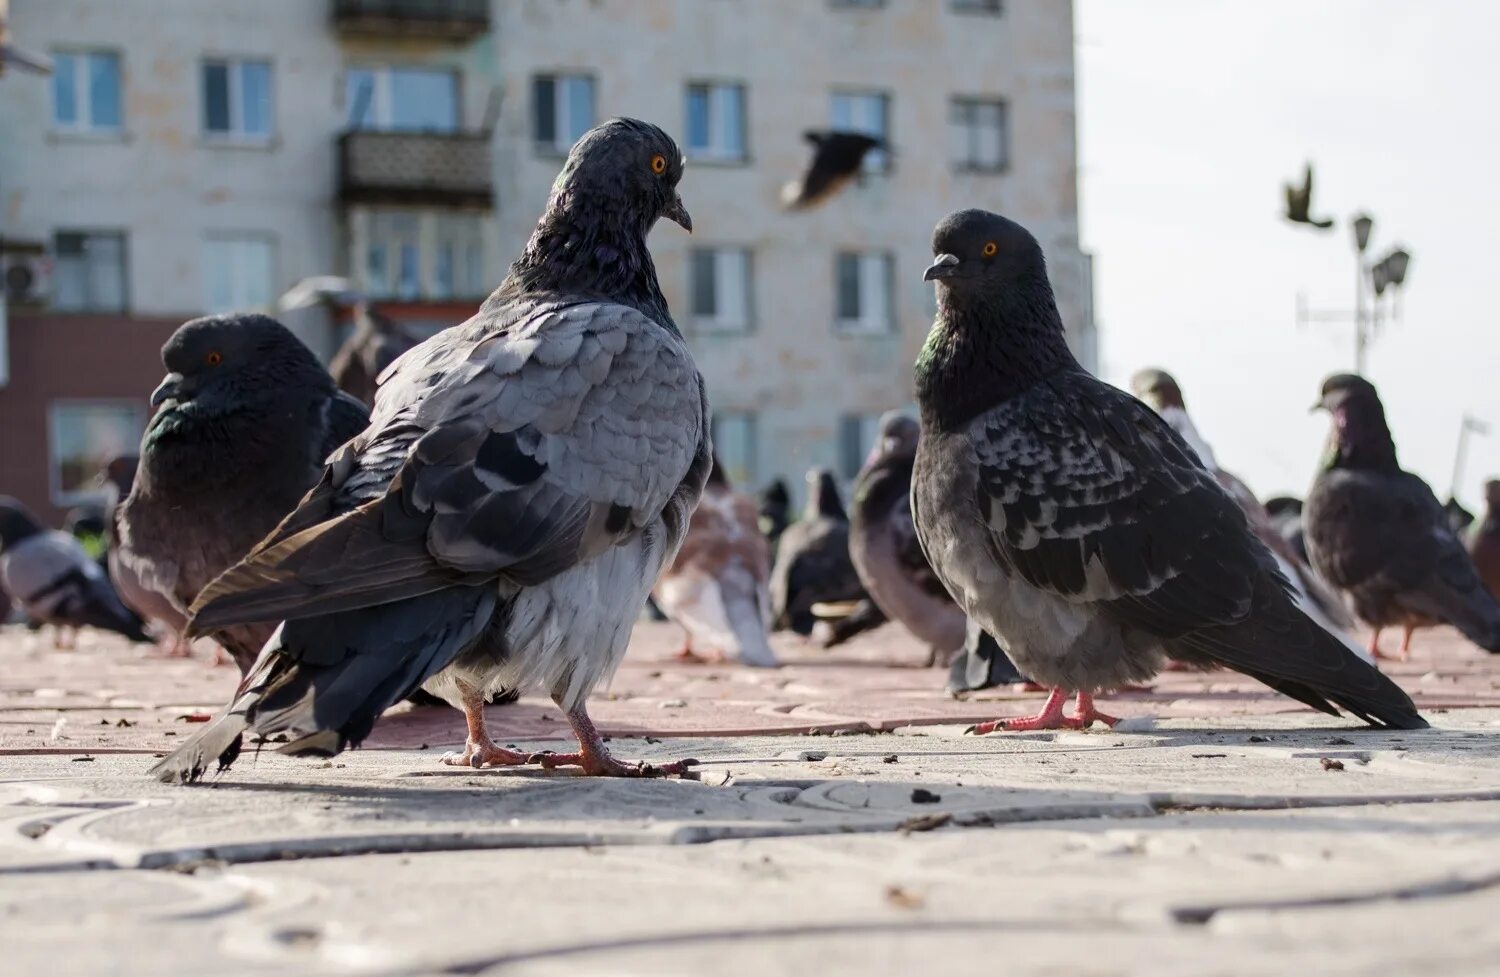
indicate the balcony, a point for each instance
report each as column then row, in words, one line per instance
column 450, row 20
column 418, row 168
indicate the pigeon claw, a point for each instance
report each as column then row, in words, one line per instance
column 481, row 755
column 1051, row 716
column 595, row 764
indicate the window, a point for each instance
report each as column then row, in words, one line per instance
column 401, row 99
column 82, row 437
column 978, row 135
column 857, row 434
column 563, row 110
column 868, row 4
column 239, row 272
column 716, row 122
column 721, row 289
column 86, row 91
column 864, row 293
column 88, row 272
column 977, row 6
column 409, row 255
column 867, row 112
column 237, row 100
column 734, row 434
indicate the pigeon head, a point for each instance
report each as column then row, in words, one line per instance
column 1157, row 388
column 1360, row 437
column 823, row 501
column 975, row 251
column 218, row 364
column 625, row 164
column 899, row 434
column 120, row 474
column 16, row 522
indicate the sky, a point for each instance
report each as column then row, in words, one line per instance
column 1192, row 114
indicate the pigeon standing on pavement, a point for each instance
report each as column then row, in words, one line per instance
column 812, row 559
column 1484, row 539
column 837, row 158
column 524, row 478
column 55, row 580
column 1379, row 534
column 164, row 616
column 716, row 589
column 245, row 417
column 1160, row 391
column 1073, row 524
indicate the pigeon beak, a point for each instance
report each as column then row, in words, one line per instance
column 943, row 266
column 677, row 214
column 169, row 389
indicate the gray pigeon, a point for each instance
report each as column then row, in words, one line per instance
column 812, row 559
column 524, row 478
column 55, row 580
column 245, row 417
column 1379, row 534
column 156, row 609
column 375, row 343
column 1075, row 525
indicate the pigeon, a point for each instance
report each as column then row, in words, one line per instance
column 245, row 417
column 883, row 543
column 525, row 477
column 1379, row 535
column 1299, row 202
column 156, row 609
column 812, row 559
column 716, row 589
column 55, row 580
column 1073, row 524
column 1160, row 391
column 837, row 157
column 1459, row 518
column 1285, row 513
column 775, row 511
column 374, row 345
column 1484, row 539
column 85, row 523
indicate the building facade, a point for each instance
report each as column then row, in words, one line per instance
column 207, row 157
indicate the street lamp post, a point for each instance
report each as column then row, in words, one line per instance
column 1363, row 225
column 1371, row 281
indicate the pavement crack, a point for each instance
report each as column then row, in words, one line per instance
column 1434, row 889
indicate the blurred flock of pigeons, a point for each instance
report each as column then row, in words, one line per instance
column 496, row 515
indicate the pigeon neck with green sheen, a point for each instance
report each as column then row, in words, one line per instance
column 584, row 245
column 1360, row 439
column 987, row 346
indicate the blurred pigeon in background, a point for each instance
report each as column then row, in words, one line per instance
column 245, row 417
column 1075, row 525
column 374, row 345
column 1299, row 202
column 1459, row 518
column 837, row 158
column 1484, row 539
column 1379, row 534
column 1285, row 513
column 157, row 610
column 775, row 511
column 812, row 559
column 55, row 580
column 716, row 588
column 524, row 478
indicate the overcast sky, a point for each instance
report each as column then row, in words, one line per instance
column 1191, row 115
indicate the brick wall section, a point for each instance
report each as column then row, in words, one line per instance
column 56, row 357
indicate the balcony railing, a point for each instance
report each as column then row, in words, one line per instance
column 446, row 169
column 456, row 20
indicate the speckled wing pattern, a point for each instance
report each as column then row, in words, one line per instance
column 514, row 446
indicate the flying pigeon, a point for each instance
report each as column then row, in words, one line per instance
column 1484, row 539
column 1072, row 522
column 812, row 559
column 716, row 588
column 374, row 345
column 837, row 157
column 1158, row 389
column 1299, row 202
column 157, row 610
column 1379, row 534
column 525, row 477
column 245, row 417
column 55, row 580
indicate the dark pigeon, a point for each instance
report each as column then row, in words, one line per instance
column 1285, row 512
column 245, row 417
column 1484, row 540
column 156, row 609
column 775, row 511
column 1075, row 525
column 524, row 478
column 375, row 343
column 1459, row 518
column 55, row 580
column 1299, row 202
column 812, row 560
column 1379, row 534
column 837, row 157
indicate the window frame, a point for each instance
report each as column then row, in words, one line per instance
column 91, row 307
column 232, row 235
column 980, row 8
column 552, row 147
column 711, row 154
column 431, row 231
column 751, row 417
column 879, row 161
column 863, row 326
column 234, row 65
column 59, row 496
column 382, row 97
column 970, row 103
column 717, row 324
column 83, row 96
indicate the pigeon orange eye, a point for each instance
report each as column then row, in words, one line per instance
column 989, row 249
column 214, row 358
column 658, row 164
